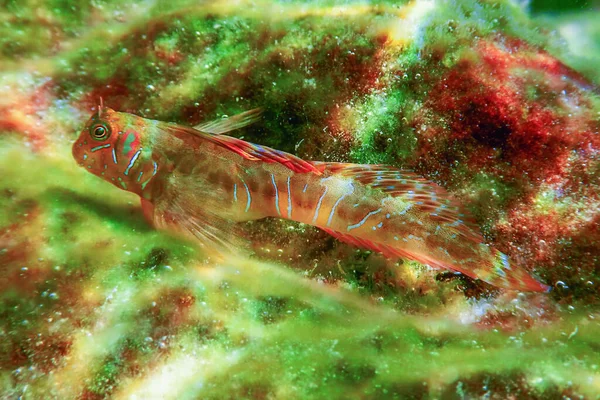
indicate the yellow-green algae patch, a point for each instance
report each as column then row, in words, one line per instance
column 96, row 304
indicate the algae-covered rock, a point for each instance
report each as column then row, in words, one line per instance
column 500, row 108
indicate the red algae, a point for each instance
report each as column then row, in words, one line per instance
column 115, row 90
column 20, row 111
column 172, row 312
column 513, row 112
column 19, row 267
column 487, row 119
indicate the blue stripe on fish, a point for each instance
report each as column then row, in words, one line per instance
column 140, row 176
column 289, row 208
column 155, row 165
column 104, row 146
column 114, row 156
column 235, row 192
column 408, row 207
column 132, row 161
column 304, row 190
column 319, row 205
column 505, row 262
column 276, row 195
column 413, row 237
column 337, row 203
column 248, row 197
column 358, row 225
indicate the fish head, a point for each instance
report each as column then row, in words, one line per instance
column 110, row 146
column 93, row 147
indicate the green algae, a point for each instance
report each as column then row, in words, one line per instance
column 579, row 30
column 453, row 24
column 373, row 127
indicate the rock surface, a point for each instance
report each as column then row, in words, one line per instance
column 474, row 95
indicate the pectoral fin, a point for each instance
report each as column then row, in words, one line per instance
column 179, row 211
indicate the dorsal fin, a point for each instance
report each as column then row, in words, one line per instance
column 249, row 151
column 426, row 196
column 224, row 125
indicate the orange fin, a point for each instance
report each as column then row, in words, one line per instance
column 249, row 151
column 388, row 251
column 148, row 211
column 427, row 196
column 366, row 244
column 499, row 274
column 177, row 209
column 224, row 125
column 504, row 274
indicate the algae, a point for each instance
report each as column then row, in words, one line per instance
column 96, row 304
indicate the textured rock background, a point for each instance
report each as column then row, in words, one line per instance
column 499, row 107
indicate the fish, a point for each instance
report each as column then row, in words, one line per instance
column 202, row 183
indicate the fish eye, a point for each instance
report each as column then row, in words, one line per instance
column 100, row 132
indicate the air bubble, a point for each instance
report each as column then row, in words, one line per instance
column 561, row 284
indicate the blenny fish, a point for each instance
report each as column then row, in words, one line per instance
column 202, row 183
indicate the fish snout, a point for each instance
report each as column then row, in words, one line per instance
column 78, row 152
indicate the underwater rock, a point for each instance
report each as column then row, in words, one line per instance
column 516, row 131
column 474, row 95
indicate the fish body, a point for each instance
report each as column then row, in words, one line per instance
column 202, row 183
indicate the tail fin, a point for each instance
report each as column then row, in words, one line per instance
column 434, row 209
column 502, row 274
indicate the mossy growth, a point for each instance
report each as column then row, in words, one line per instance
column 95, row 303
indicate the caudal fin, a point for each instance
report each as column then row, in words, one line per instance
column 503, row 274
column 447, row 235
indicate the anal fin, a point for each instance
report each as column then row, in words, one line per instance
column 513, row 278
column 395, row 252
column 387, row 251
